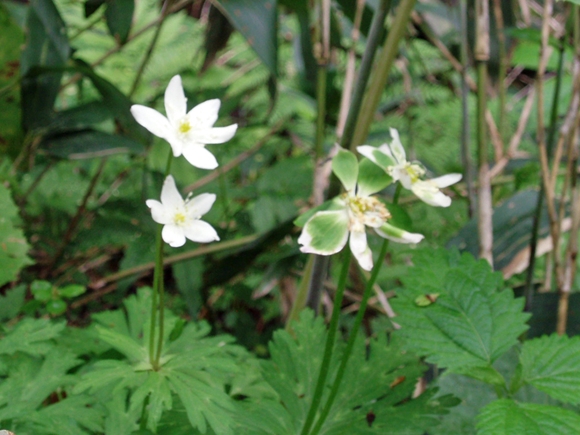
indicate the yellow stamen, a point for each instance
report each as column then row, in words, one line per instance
column 184, row 127
column 179, row 218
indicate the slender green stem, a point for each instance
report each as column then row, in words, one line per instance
column 354, row 332
column 529, row 285
column 158, row 291
column 301, row 294
column 329, row 346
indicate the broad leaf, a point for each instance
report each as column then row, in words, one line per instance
column 552, row 365
column 507, row 417
column 119, row 16
column 471, row 323
column 257, row 21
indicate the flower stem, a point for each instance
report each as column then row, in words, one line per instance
column 354, row 332
column 329, row 345
column 158, row 291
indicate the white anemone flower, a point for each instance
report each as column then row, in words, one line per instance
column 393, row 159
column 187, row 132
column 327, row 232
column 181, row 219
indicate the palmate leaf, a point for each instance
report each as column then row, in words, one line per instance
column 380, row 384
column 552, row 365
column 194, row 367
column 31, row 381
column 31, row 336
column 472, row 321
column 508, row 417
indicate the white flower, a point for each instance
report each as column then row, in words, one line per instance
column 187, row 132
column 181, row 219
column 393, row 160
column 327, row 232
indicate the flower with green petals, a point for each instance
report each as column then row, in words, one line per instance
column 392, row 158
column 327, row 231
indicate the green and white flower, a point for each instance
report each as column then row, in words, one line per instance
column 187, row 132
column 181, row 219
column 327, row 231
column 392, row 158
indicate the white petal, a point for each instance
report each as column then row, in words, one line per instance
column 398, row 235
column 159, row 212
column 446, row 180
column 214, row 135
column 199, row 157
column 360, row 249
column 396, row 147
column 175, row 101
column 152, row 120
column 400, row 173
column 367, row 151
column 429, row 193
column 200, row 232
column 200, row 205
column 325, row 233
column 170, row 196
column 173, row 235
column 204, row 115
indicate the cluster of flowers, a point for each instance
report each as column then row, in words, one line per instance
column 327, row 231
column 188, row 133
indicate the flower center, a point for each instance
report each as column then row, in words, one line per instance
column 415, row 171
column 365, row 210
column 184, row 127
column 179, row 218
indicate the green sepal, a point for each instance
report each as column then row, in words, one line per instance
column 382, row 159
column 331, row 204
column 327, row 231
column 371, row 178
column 345, row 167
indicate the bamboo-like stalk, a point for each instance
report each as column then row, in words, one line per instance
column 501, row 116
column 468, row 175
column 381, row 71
column 484, row 210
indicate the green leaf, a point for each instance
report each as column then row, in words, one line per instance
column 379, row 379
column 156, row 387
column 56, row 307
column 72, row 290
column 326, row 232
column 345, row 167
column 89, row 144
column 12, row 302
column 371, row 178
column 119, row 16
column 79, row 118
column 507, row 417
column 91, row 6
column 552, row 365
column 13, row 245
column 46, row 45
column 31, row 336
column 257, row 21
column 41, row 290
column 471, row 324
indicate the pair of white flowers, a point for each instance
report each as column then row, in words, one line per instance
column 188, row 133
column 347, row 216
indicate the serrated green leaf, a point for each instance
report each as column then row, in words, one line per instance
column 507, row 417
column 345, row 167
column 31, row 336
column 552, row 365
column 111, row 375
column 472, row 323
column 156, row 387
column 371, row 178
column 134, row 351
column 13, row 244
